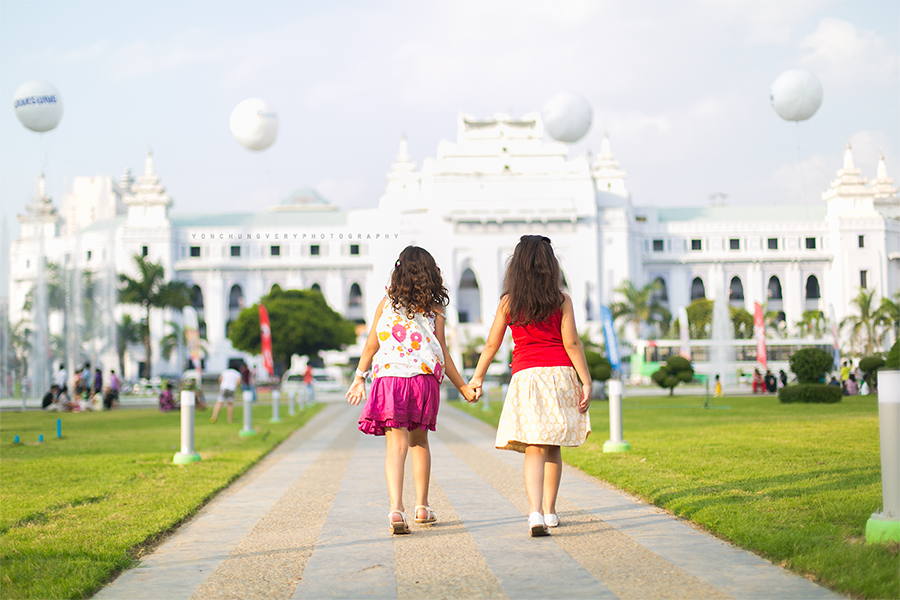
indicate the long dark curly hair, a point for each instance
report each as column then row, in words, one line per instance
column 416, row 283
column 532, row 281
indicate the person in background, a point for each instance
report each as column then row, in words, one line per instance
column 782, row 377
column 771, row 382
column 62, row 378
column 718, row 392
column 98, row 381
column 845, row 371
column 228, row 385
column 167, row 399
column 308, row 381
column 109, row 398
column 834, row 382
column 49, row 400
column 758, row 383
column 114, row 385
column 851, row 388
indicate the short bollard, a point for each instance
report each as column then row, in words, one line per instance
column 248, row 415
column 41, row 438
column 615, row 443
column 884, row 527
column 276, row 396
column 187, row 454
column 16, row 440
column 58, row 428
column 291, row 410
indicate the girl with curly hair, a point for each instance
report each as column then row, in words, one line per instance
column 407, row 353
column 550, row 390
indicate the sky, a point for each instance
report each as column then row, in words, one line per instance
column 681, row 88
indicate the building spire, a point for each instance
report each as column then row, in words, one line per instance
column 606, row 172
column 148, row 163
column 848, row 158
column 883, row 186
column 403, row 162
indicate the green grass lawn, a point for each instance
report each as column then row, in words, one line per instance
column 794, row 483
column 77, row 510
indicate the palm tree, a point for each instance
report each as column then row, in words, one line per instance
column 864, row 327
column 177, row 339
column 20, row 340
column 151, row 290
column 128, row 331
column 641, row 307
column 888, row 315
column 812, row 324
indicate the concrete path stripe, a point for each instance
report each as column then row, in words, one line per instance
column 439, row 560
column 269, row 562
column 354, row 554
column 526, row 567
column 180, row 565
column 627, row 568
column 733, row 571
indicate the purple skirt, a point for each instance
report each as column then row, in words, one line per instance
column 410, row 402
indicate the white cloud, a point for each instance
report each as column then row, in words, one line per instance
column 804, row 182
column 844, row 52
column 141, row 58
column 346, row 193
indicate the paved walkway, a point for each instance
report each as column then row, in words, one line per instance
column 310, row 521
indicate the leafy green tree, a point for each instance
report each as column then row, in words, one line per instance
column 176, row 340
column 888, row 314
column 20, row 340
column 641, row 307
column 864, row 327
column 812, row 324
column 151, row 290
column 676, row 370
column 892, row 361
column 810, row 365
column 301, row 321
column 128, row 331
column 699, row 314
column 742, row 321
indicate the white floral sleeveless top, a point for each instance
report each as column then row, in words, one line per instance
column 409, row 347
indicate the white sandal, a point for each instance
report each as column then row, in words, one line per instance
column 551, row 520
column 398, row 527
column 536, row 525
column 430, row 516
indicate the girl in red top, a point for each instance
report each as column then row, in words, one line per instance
column 550, row 391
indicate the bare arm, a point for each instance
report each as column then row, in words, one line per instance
column 495, row 339
column 449, row 366
column 357, row 391
column 572, row 344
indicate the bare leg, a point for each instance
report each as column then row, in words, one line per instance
column 394, row 462
column 535, row 458
column 230, row 411
column 216, row 410
column 552, row 476
column 421, row 463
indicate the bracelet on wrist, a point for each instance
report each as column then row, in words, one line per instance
column 362, row 374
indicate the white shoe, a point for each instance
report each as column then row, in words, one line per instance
column 536, row 525
column 551, row 520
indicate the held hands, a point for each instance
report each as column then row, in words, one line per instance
column 585, row 403
column 475, row 383
column 357, row 391
column 469, row 393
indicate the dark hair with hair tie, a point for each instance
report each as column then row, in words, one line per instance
column 532, row 281
column 416, row 283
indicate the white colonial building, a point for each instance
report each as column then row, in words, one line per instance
column 468, row 206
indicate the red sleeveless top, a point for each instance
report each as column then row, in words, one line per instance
column 539, row 344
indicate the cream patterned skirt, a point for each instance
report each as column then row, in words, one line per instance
column 541, row 407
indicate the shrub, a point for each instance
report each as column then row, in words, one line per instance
column 810, row 392
column 676, row 370
column 598, row 367
column 811, row 364
column 893, row 358
column 870, row 364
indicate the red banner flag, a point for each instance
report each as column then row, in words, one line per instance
column 759, row 333
column 266, row 337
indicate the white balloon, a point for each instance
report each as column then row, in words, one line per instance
column 254, row 124
column 38, row 105
column 796, row 95
column 567, row 117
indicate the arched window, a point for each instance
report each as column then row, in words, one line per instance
column 736, row 289
column 661, row 294
column 197, row 297
column 773, row 291
column 236, row 297
column 316, row 288
column 469, row 299
column 355, row 298
column 698, row 290
column 812, row 288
